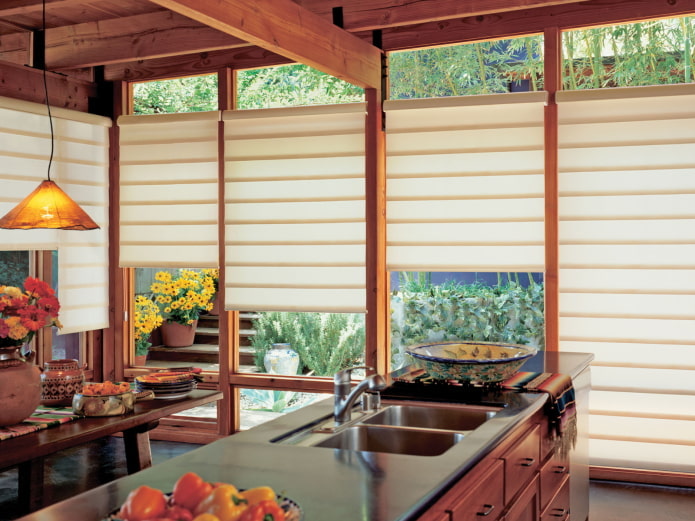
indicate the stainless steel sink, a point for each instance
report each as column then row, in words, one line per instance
column 449, row 418
column 414, row 429
column 374, row 438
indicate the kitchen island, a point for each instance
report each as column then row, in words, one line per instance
column 343, row 484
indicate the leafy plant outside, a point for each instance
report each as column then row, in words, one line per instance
column 325, row 342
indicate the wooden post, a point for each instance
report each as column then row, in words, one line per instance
column 553, row 83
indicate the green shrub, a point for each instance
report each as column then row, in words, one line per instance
column 325, row 342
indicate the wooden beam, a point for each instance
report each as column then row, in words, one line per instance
column 27, row 83
column 19, row 7
column 175, row 66
column 146, row 36
column 16, row 48
column 378, row 14
column 287, row 29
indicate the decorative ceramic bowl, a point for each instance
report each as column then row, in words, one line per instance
column 104, row 405
column 474, row 362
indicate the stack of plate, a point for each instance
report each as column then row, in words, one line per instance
column 166, row 385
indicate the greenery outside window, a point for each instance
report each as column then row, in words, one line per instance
column 656, row 52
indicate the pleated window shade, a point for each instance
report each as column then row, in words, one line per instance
column 295, row 211
column 627, row 268
column 465, row 183
column 80, row 168
column 169, row 190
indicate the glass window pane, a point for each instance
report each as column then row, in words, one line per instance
column 485, row 307
column 497, row 66
column 14, row 268
column 190, row 94
column 655, row 52
column 292, row 86
column 310, row 344
column 262, row 405
column 170, row 302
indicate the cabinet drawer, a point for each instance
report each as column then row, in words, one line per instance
column 485, row 500
column 559, row 507
column 521, row 462
column 525, row 507
column 553, row 473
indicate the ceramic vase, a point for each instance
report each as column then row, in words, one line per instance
column 281, row 359
column 62, row 379
column 178, row 335
column 20, row 386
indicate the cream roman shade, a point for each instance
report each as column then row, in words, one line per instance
column 465, row 183
column 80, row 167
column 294, row 209
column 627, row 268
column 169, row 190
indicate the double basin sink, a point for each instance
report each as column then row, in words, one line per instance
column 398, row 428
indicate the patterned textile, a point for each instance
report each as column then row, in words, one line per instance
column 43, row 418
column 561, row 409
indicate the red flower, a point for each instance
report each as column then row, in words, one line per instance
column 38, row 288
column 33, row 318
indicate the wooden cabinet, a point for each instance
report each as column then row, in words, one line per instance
column 525, row 507
column 521, row 462
column 485, row 500
column 523, row 479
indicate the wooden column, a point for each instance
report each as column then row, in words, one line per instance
column 377, row 318
column 553, row 83
column 228, row 417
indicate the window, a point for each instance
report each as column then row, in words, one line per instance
column 656, row 52
column 498, row 66
column 190, row 94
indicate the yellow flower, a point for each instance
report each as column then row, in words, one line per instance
column 183, row 296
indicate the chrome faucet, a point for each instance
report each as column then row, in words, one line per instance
column 345, row 399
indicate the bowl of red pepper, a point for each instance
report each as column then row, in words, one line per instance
column 195, row 499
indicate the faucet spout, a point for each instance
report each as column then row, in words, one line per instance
column 345, row 398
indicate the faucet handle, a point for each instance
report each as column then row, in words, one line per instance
column 344, row 375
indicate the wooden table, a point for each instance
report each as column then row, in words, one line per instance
column 28, row 451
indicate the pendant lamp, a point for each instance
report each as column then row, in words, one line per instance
column 48, row 206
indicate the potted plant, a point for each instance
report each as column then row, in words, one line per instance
column 22, row 315
column 181, row 299
column 147, row 319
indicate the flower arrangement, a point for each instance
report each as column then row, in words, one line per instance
column 182, row 298
column 23, row 313
column 147, row 319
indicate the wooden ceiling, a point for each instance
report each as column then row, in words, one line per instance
column 147, row 39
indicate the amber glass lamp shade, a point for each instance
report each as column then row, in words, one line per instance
column 48, row 207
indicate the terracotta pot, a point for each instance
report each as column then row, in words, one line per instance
column 140, row 360
column 178, row 335
column 20, row 387
column 62, row 379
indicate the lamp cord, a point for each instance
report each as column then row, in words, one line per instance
column 45, row 86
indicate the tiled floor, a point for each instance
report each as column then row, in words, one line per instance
column 81, row 468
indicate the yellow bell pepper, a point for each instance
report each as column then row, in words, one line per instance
column 258, row 494
column 225, row 502
column 206, row 517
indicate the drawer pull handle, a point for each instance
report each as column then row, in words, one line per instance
column 561, row 512
column 559, row 469
column 527, row 462
column 487, row 512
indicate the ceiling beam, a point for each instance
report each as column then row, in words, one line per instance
column 283, row 27
column 361, row 15
column 250, row 57
column 15, row 7
column 139, row 37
